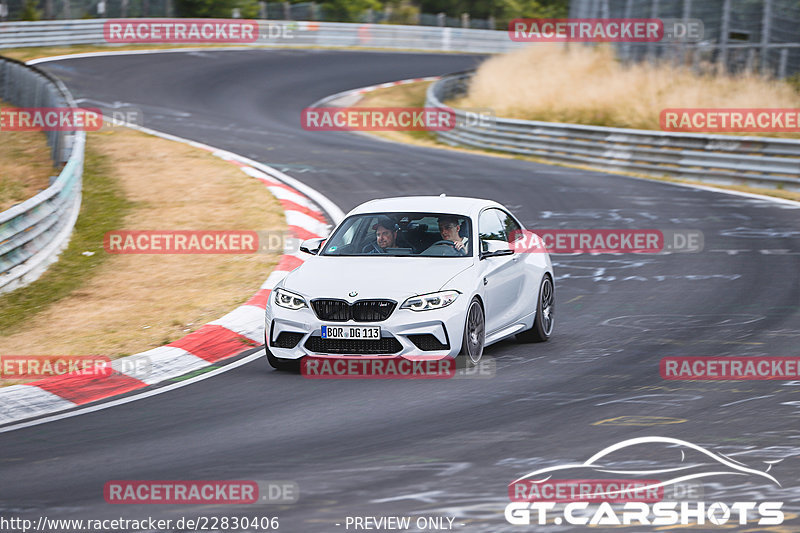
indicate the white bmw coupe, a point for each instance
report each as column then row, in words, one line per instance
column 425, row 275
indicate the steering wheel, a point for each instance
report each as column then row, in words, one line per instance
column 373, row 248
column 443, row 242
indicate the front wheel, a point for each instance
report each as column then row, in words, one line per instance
column 543, row 321
column 474, row 333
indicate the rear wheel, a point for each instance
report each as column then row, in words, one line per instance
column 545, row 307
column 474, row 333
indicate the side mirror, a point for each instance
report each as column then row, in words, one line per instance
column 312, row 246
column 494, row 249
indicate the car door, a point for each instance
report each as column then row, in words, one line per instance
column 502, row 275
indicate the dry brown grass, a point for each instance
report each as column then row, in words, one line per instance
column 137, row 302
column 413, row 95
column 25, row 163
column 585, row 85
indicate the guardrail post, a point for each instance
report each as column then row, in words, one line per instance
column 685, row 14
column 287, row 11
column 465, row 20
column 783, row 62
column 440, row 19
column 723, row 36
column 766, row 24
column 651, row 46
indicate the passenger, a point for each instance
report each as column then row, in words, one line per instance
column 449, row 229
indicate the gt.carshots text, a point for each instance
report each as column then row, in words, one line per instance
column 642, row 513
column 548, row 496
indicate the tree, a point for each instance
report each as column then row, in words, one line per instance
column 216, row 8
column 348, row 10
column 29, row 11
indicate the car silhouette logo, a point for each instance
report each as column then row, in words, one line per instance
column 694, row 462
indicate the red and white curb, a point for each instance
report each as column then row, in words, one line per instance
column 352, row 96
column 305, row 210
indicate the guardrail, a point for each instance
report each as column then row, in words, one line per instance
column 728, row 159
column 283, row 33
column 34, row 232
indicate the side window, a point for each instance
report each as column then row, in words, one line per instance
column 491, row 231
column 510, row 226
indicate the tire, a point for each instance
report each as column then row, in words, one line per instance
column 474, row 334
column 545, row 309
column 285, row 365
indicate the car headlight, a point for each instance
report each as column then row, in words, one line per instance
column 289, row 300
column 434, row 300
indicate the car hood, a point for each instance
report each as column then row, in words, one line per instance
column 396, row 278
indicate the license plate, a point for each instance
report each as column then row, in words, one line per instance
column 362, row 333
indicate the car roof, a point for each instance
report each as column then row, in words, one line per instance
column 456, row 205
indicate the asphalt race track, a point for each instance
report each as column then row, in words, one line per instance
column 441, row 447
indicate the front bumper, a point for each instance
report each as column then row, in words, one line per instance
column 436, row 332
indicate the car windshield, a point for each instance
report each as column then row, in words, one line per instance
column 406, row 234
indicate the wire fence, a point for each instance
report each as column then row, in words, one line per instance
column 738, row 35
column 15, row 10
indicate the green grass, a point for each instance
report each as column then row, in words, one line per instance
column 103, row 209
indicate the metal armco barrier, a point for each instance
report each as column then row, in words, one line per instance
column 284, row 33
column 725, row 159
column 33, row 232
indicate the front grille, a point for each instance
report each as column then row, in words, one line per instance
column 372, row 310
column 384, row 345
column 360, row 311
column 427, row 342
column 287, row 339
column 333, row 310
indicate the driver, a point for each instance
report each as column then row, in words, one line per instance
column 385, row 236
